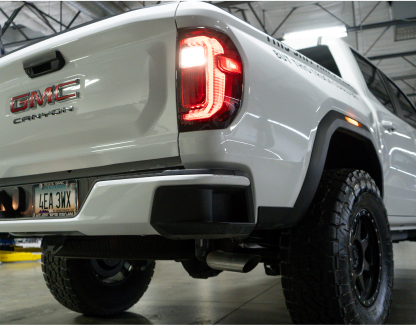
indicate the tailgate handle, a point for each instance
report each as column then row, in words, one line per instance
column 41, row 65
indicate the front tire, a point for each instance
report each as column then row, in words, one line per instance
column 96, row 287
column 337, row 264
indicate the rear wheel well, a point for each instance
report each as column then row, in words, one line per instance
column 349, row 150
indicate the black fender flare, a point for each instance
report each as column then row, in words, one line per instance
column 282, row 217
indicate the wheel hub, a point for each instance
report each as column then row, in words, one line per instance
column 111, row 271
column 365, row 257
column 107, row 268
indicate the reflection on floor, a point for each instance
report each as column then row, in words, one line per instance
column 174, row 297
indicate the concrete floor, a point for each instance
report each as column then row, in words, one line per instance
column 174, row 297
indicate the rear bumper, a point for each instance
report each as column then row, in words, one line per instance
column 195, row 205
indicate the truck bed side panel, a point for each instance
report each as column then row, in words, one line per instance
column 273, row 134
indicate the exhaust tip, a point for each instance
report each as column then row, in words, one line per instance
column 251, row 263
column 223, row 261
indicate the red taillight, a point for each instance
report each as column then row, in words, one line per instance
column 210, row 80
column 229, row 65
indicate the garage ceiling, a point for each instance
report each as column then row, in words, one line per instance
column 383, row 31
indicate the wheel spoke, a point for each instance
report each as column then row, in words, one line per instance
column 366, row 265
column 364, row 244
column 362, row 284
column 355, row 277
column 359, row 282
column 358, row 230
column 127, row 266
column 364, row 257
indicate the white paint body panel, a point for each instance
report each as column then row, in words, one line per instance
column 129, row 114
column 272, row 136
column 127, row 106
column 397, row 150
column 119, row 207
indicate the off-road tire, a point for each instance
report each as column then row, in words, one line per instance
column 316, row 261
column 75, row 285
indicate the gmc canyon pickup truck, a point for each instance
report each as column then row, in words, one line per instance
column 179, row 132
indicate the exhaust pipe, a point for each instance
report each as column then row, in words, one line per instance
column 223, row 261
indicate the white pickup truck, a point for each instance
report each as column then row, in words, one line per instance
column 179, row 132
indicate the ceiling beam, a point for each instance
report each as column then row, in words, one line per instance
column 411, row 76
column 379, row 25
column 371, row 11
column 378, row 38
column 73, row 19
column 392, row 55
column 25, row 42
column 410, row 62
column 257, row 17
column 10, row 20
column 242, row 11
column 226, row 4
column 18, row 28
column 283, row 21
column 339, row 19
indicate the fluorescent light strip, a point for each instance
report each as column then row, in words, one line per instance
column 339, row 31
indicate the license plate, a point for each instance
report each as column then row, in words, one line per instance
column 55, row 199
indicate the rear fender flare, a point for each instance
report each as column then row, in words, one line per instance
column 281, row 217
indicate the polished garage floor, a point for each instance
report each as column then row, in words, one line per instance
column 174, row 297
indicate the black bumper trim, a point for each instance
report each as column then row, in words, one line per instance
column 203, row 211
column 204, row 230
column 119, row 247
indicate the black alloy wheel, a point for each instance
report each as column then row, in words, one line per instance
column 365, row 257
column 111, row 272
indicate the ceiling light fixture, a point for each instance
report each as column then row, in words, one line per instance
column 308, row 38
column 339, row 31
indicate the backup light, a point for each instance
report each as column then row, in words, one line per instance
column 192, row 57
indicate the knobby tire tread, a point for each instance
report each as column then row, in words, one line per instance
column 58, row 275
column 314, row 257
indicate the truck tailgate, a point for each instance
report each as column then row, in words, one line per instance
column 125, row 110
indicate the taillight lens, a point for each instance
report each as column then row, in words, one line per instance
column 210, row 81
